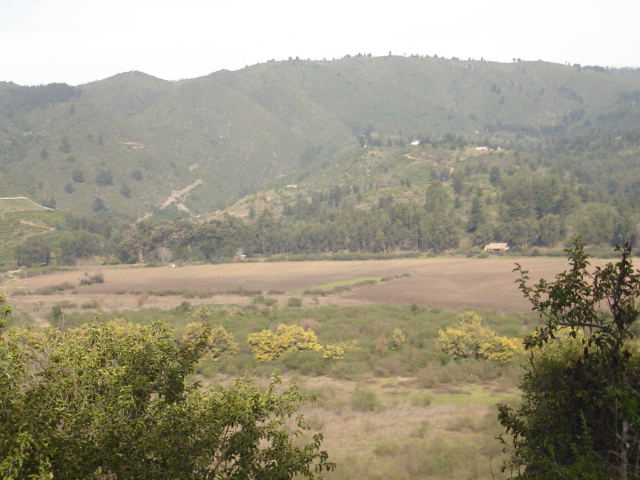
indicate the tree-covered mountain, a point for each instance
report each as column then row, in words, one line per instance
column 133, row 144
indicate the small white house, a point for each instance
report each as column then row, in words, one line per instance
column 496, row 247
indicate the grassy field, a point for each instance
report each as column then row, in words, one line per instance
column 393, row 428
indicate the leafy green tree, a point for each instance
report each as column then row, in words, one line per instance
column 33, row 251
column 78, row 176
column 65, row 146
column 78, row 245
column 477, row 215
column 596, row 223
column 111, row 401
column 441, row 222
column 494, row 176
column 104, row 178
column 98, row 205
column 580, row 412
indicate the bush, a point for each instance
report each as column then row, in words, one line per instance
column 364, row 400
column 218, row 340
column 267, row 345
column 294, row 302
column 398, row 338
column 470, row 339
column 89, row 304
column 93, row 279
column 307, row 362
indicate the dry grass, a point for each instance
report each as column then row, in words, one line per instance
column 449, row 438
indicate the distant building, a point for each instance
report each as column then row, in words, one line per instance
column 482, row 149
column 496, row 247
column 415, row 143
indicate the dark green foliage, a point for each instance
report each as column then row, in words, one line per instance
column 580, row 411
column 29, row 98
column 80, row 244
column 34, row 251
column 104, row 178
column 77, row 176
column 125, row 190
column 65, row 146
column 294, row 302
column 494, row 176
column 98, row 205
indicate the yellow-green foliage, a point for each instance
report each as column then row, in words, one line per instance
column 469, row 338
column 219, row 341
column 398, row 338
column 267, row 345
column 333, row 352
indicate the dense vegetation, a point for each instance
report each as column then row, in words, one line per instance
column 112, row 401
column 580, row 415
column 361, row 154
column 476, row 204
column 123, row 144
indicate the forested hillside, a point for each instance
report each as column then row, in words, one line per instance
column 360, row 154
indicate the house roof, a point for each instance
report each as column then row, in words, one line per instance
column 496, row 246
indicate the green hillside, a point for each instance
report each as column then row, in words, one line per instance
column 132, row 144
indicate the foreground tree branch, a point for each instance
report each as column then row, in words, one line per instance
column 580, row 413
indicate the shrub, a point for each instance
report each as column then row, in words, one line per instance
column 219, row 341
column 89, row 304
column 364, row 400
column 469, row 338
column 90, row 280
column 294, row 302
column 307, row 362
column 398, row 338
column 267, row 345
column 244, row 293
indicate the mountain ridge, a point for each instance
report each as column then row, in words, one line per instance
column 131, row 138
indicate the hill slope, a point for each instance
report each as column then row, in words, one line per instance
column 124, row 144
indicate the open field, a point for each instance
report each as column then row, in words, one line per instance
column 449, row 283
column 392, row 428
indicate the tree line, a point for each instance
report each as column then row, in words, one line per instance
column 530, row 210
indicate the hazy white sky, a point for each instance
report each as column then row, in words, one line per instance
column 78, row 41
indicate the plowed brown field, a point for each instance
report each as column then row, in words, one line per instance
column 449, row 283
